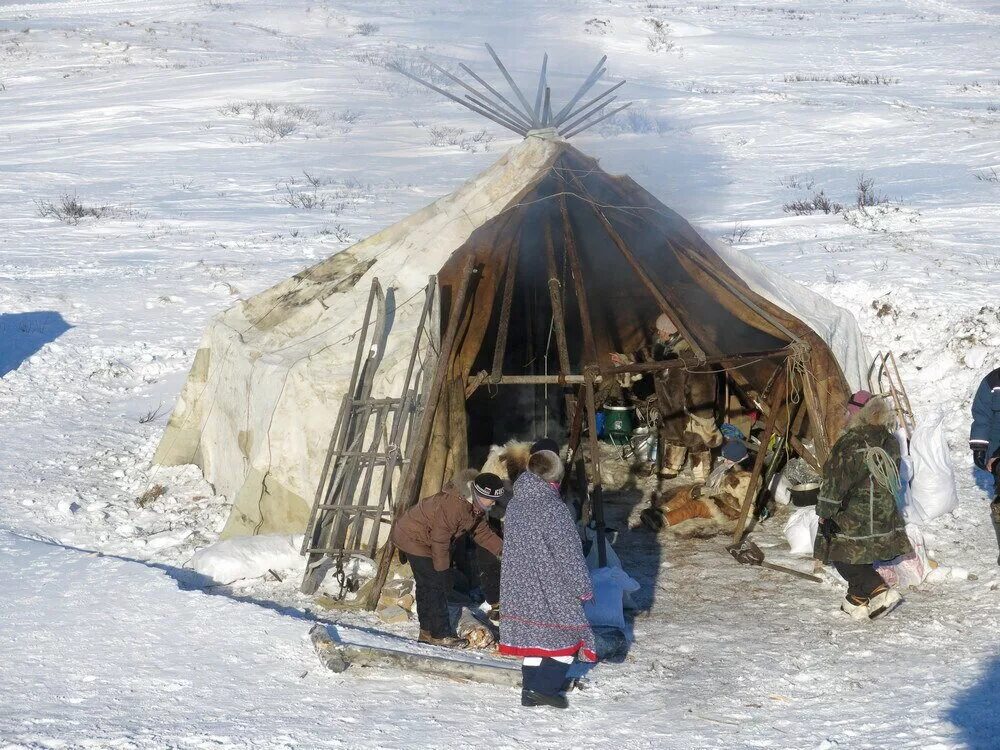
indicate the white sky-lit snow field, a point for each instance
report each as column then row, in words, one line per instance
column 227, row 145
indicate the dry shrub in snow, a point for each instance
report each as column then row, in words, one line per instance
column 599, row 26
column 272, row 121
column 444, row 135
column 851, row 79
column 147, row 497
column 659, row 35
column 867, row 194
column 70, row 210
column 987, row 175
column 819, row 202
column 634, row 120
column 366, row 29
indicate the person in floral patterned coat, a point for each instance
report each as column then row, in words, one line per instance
column 543, row 583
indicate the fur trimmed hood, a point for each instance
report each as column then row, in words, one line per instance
column 461, row 483
column 546, row 465
column 876, row 413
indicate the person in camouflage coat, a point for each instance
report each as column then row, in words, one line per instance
column 859, row 521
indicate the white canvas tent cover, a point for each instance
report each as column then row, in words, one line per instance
column 261, row 400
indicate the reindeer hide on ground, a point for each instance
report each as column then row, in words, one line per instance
column 695, row 510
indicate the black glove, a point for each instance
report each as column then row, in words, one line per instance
column 979, row 457
column 828, row 528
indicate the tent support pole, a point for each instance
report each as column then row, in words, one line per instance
column 661, row 300
column 597, row 498
column 758, row 466
column 818, row 428
column 503, row 327
column 557, row 310
column 413, row 470
column 590, row 346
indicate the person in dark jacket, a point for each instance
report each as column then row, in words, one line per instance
column 859, row 521
column 984, row 438
column 426, row 533
column 543, row 583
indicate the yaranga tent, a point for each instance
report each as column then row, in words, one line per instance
column 540, row 268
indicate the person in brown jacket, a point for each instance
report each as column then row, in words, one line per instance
column 426, row 533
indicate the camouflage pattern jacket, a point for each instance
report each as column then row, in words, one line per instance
column 862, row 506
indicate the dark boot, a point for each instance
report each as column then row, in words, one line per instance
column 448, row 641
column 540, row 685
column 531, row 698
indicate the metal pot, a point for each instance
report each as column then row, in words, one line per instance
column 618, row 422
column 643, row 445
column 804, row 494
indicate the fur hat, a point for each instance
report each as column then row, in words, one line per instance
column 547, row 465
column 857, row 401
column 665, row 327
column 875, row 412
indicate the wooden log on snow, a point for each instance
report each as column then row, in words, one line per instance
column 338, row 657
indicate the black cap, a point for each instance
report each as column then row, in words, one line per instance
column 489, row 485
column 545, row 444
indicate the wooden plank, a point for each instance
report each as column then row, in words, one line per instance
column 690, row 362
column 589, row 345
column 555, row 289
column 458, row 429
column 758, row 464
column 503, row 326
column 339, row 657
column 419, row 445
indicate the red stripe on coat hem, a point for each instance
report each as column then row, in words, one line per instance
column 586, row 653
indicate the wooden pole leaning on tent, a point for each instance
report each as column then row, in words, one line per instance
column 597, row 496
column 413, row 470
column 781, row 388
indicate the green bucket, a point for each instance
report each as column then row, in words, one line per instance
column 618, row 423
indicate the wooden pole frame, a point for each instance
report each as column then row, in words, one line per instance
column 413, row 470
column 779, row 393
column 597, row 496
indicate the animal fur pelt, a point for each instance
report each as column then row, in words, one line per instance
column 482, row 634
column 508, row 461
column 876, row 412
column 694, row 510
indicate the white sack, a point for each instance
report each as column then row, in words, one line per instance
column 610, row 586
column 780, row 490
column 932, row 489
column 910, row 569
column 800, row 530
column 248, row 557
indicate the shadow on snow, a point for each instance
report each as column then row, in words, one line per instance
column 24, row 334
column 975, row 711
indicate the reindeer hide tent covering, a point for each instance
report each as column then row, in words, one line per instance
column 546, row 229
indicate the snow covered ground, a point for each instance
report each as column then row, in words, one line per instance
column 215, row 147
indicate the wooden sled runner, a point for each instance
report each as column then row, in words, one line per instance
column 434, row 661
